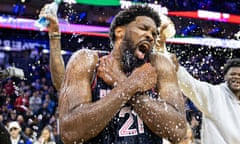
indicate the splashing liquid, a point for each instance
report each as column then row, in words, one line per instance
column 52, row 8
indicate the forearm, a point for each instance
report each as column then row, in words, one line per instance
column 161, row 117
column 186, row 81
column 57, row 67
column 198, row 91
column 189, row 84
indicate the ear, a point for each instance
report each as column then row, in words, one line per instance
column 119, row 32
column 225, row 77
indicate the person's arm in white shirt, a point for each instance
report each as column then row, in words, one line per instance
column 198, row 91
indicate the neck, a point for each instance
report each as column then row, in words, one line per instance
column 237, row 95
column 15, row 138
column 116, row 52
column 117, row 55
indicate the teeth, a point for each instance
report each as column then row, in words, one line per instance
column 144, row 47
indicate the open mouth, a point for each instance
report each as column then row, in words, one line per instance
column 142, row 49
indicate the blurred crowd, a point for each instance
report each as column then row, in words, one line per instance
column 31, row 103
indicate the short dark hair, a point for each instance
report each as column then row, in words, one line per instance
column 231, row 63
column 126, row 16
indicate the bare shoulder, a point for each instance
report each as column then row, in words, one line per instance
column 83, row 60
column 79, row 71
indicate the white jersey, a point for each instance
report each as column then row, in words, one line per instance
column 219, row 106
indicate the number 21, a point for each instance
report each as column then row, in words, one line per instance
column 125, row 130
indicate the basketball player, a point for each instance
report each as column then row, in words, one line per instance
column 129, row 96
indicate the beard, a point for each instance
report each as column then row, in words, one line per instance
column 129, row 60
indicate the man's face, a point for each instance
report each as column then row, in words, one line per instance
column 137, row 43
column 14, row 132
column 233, row 79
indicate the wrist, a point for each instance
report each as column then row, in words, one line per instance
column 54, row 35
column 119, row 79
column 133, row 84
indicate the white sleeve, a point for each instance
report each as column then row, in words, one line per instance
column 199, row 92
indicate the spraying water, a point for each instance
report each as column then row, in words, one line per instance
column 52, row 8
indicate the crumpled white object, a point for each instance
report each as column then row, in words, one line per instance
column 17, row 72
column 170, row 30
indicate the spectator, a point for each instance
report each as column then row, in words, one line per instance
column 21, row 103
column 46, row 136
column 9, row 88
column 219, row 104
column 44, row 115
column 13, row 115
column 29, row 133
column 3, row 96
column 50, row 104
column 36, row 84
column 21, row 122
column 23, row 86
column 4, row 113
column 16, row 136
column 9, row 102
column 4, row 135
column 35, row 102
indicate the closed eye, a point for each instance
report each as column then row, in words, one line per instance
column 154, row 34
column 143, row 27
